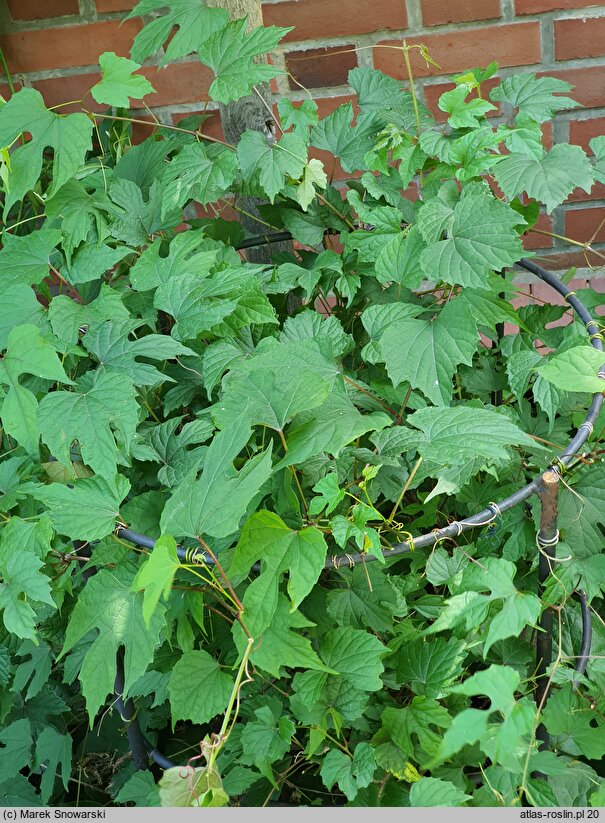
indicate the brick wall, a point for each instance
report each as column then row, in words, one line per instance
column 53, row 45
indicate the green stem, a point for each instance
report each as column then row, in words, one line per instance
column 7, row 73
column 405, row 488
column 234, row 700
column 408, row 66
column 295, row 477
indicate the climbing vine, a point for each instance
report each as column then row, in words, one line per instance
column 211, row 494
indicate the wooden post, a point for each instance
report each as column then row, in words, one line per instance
column 253, row 112
column 547, row 539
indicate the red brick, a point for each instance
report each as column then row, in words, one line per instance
column 66, row 46
column 437, row 12
column 578, row 195
column 513, row 44
column 581, row 224
column 533, row 240
column 73, row 89
column 210, row 127
column 40, row 9
column 177, row 83
column 317, row 68
column 567, row 259
column 319, row 18
column 174, row 85
column 589, row 85
column 581, row 37
column 581, row 132
column 433, row 92
column 115, row 5
column 536, row 6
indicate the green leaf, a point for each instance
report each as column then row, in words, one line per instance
column 193, row 21
column 54, row 750
column 198, row 689
column 109, row 607
column 67, row 317
column 488, row 309
column 597, row 798
column 140, row 789
column 101, row 411
column 351, row 774
column 91, row 262
column 21, row 307
column 575, row 370
column 581, row 519
column 215, row 503
column 380, row 94
column 497, row 682
column 432, row 791
column 550, row 178
column 15, row 748
column 69, row 135
column 85, row 509
column 330, row 495
column 110, row 344
column 455, row 434
column 302, row 554
column 470, row 608
column 161, row 444
column 119, row 83
column 348, row 143
column 298, row 117
column 32, row 673
column 231, row 53
column 414, row 722
column 266, row 739
column 309, row 325
column 156, row 574
column 189, row 253
column 536, row 96
column 282, row 646
column 198, row 787
column 198, row 173
column 328, row 429
column 355, row 655
column 19, row 792
column 597, row 146
column 27, row 353
column 23, row 582
column 139, row 216
column 313, row 176
column 200, row 305
column 269, row 398
column 399, row 260
column 429, row 667
column 481, row 237
column 574, row 724
column 271, row 163
column 25, row 259
column 463, row 113
column 432, row 350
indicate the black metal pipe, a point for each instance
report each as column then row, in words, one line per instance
column 584, row 655
column 137, row 742
column 264, row 240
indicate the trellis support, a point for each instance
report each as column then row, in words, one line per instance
column 546, row 541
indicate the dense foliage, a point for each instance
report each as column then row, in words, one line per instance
column 152, row 377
